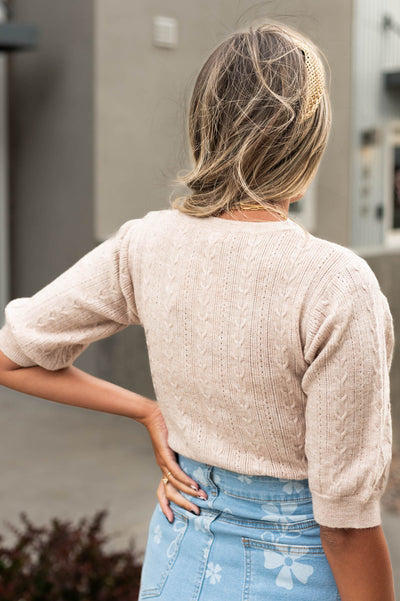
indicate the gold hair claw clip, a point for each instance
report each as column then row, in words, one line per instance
column 315, row 78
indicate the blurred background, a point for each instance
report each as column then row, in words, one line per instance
column 93, row 105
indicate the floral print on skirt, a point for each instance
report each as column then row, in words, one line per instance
column 255, row 539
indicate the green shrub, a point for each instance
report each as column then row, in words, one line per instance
column 66, row 562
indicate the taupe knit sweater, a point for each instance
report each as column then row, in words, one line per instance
column 269, row 348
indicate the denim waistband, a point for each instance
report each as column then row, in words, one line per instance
column 262, row 488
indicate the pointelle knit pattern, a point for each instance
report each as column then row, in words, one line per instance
column 269, row 348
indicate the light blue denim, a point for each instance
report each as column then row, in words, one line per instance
column 255, row 539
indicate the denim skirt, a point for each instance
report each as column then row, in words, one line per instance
column 255, row 539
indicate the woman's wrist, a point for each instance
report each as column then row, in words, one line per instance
column 148, row 410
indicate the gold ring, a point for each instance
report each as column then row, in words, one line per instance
column 169, row 474
column 165, row 480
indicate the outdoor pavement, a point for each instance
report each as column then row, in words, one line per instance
column 67, row 462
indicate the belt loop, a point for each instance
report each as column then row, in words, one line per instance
column 213, row 482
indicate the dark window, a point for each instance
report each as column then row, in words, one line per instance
column 396, row 188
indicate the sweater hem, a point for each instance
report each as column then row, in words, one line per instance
column 11, row 349
column 346, row 512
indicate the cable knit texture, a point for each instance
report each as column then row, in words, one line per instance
column 269, row 348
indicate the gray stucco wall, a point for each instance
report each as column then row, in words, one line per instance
column 51, row 143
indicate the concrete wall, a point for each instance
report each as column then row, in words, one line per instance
column 51, row 143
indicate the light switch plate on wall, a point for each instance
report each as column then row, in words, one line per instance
column 165, row 31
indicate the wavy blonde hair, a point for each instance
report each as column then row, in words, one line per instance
column 247, row 132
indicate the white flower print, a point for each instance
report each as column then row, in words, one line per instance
column 274, row 537
column 183, row 465
column 206, row 549
column 284, row 511
column 291, row 486
column 157, row 534
column 289, row 565
column 201, row 523
column 178, row 526
column 213, row 572
column 244, row 479
column 199, row 476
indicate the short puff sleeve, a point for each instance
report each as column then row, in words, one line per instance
column 348, row 444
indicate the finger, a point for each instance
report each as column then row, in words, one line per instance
column 164, row 503
column 174, row 495
column 180, row 480
column 173, row 466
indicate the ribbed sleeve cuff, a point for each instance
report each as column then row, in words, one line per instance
column 11, row 349
column 346, row 512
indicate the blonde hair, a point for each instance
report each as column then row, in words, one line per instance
column 250, row 129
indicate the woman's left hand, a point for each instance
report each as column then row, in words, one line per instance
column 178, row 480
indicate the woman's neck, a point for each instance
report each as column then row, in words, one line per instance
column 256, row 215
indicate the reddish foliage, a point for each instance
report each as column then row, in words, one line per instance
column 63, row 562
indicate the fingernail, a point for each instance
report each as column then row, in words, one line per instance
column 202, row 495
column 193, row 511
column 196, row 488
